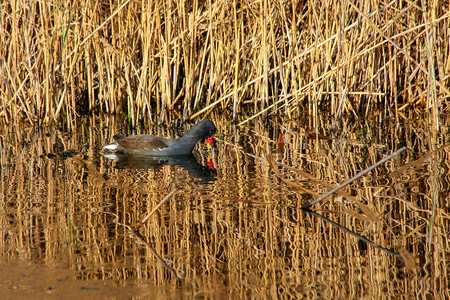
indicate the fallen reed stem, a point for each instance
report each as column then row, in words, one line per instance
column 145, row 219
column 357, row 176
column 158, row 257
column 370, row 213
column 360, row 237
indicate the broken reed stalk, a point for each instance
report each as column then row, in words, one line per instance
column 177, row 276
column 359, row 175
column 370, row 213
column 358, row 236
column 145, row 219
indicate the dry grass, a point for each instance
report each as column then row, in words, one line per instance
column 182, row 59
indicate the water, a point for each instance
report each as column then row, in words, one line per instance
column 233, row 229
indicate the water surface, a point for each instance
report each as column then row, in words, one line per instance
column 233, row 229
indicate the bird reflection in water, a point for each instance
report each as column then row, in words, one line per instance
column 188, row 162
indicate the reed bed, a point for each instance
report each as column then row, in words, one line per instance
column 158, row 60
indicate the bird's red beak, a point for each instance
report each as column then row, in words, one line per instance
column 210, row 163
column 209, row 141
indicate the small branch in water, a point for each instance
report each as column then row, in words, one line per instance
column 145, row 219
column 359, row 175
column 360, row 237
column 178, row 276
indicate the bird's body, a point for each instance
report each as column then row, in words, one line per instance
column 158, row 146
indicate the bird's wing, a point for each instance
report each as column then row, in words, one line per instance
column 145, row 142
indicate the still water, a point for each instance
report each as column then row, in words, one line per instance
column 234, row 227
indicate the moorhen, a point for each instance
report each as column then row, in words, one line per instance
column 157, row 146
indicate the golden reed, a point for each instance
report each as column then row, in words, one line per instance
column 154, row 59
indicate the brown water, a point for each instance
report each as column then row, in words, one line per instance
column 231, row 231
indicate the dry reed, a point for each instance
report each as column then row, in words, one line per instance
column 167, row 59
